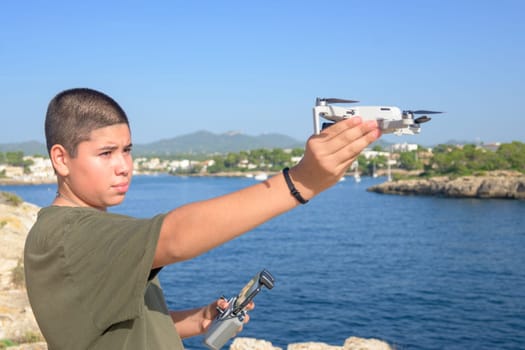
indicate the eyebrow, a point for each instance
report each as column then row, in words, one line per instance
column 114, row 147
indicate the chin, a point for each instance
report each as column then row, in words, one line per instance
column 115, row 201
column 120, row 198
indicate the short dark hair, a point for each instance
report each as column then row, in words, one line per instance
column 73, row 114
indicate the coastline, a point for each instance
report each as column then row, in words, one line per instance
column 493, row 185
column 30, row 180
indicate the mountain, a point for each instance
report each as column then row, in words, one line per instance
column 201, row 142
column 30, row 148
column 204, row 142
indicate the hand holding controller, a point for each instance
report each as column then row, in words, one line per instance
column 228, row 322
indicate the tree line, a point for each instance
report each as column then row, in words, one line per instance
column 470, row 159
column 443, row 160
column 458, row 160
column 15, row 158
column 259, row 159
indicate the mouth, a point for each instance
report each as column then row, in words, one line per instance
column 121, row 188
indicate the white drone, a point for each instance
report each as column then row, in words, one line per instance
column 391, row 120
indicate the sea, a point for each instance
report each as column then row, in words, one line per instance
column 417, row 272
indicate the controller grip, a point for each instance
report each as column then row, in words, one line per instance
column 222, row 330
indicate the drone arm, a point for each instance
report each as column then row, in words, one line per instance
column 398, row 127
column 317, row 129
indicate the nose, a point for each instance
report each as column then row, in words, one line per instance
column 124, row 164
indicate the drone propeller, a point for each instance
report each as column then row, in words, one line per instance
column 335, row 100
column 423, row 112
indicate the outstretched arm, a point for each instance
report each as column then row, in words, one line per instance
column 195, row 228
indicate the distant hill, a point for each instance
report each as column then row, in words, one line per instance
column 30, row 148
column 204, row 142
column 197, row 143
column 201, row 142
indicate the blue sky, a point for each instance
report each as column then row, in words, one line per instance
column 257, row 66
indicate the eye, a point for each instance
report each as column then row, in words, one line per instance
column 105, row 154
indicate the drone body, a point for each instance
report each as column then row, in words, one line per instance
column 391, row 120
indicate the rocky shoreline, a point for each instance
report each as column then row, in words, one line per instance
column 17, row 323
column 352, row 343
column 496, row 184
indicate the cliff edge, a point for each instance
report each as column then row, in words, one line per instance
column 17, row 322
column 496, row 184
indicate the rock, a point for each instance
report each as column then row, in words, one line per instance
column 313, row 346
column 355, row 343
column 352, row 343
column 17, row 321
column 252, row 344
column 498, row 184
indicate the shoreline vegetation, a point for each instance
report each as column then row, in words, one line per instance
column 469, row 170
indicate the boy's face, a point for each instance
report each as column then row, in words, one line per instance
column 100, row 175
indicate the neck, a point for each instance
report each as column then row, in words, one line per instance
column 66, row 199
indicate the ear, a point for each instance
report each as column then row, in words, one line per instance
column 59, row 159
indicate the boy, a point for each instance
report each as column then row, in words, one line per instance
column 92, row 275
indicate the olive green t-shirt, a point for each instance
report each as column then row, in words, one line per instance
column 90, row 284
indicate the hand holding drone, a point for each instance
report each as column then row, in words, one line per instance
column 390, row 119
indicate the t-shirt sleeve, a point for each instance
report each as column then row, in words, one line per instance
column 108, row 262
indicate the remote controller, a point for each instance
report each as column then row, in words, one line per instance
column 227, row 323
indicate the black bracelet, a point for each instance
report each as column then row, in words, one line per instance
column 292, row 188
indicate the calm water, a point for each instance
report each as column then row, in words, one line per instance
column 418, row 272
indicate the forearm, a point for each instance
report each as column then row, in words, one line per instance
column 198, row 227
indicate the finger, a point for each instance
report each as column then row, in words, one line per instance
column 348, row 139
column 349, row 145
column 345, row 132
column 350, row 130
column 222, row 303
column 335, row 129
column 250, row 306
column 246, row 319
column 344, row 124
column 212, row 310
column 349, row 153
